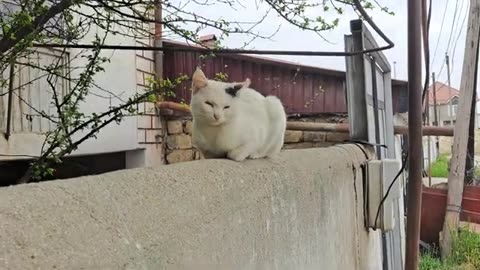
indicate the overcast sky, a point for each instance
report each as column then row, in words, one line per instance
column 291, row 38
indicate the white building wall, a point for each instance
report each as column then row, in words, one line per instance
column 124, row 76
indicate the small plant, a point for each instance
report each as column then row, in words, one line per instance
column 465, row 254
column 440, row 167
column 429, row 262
column 221, row 77
column 165, row 88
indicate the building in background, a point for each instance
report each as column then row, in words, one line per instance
column 447, row 105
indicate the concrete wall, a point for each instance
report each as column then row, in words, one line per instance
column 302, row 210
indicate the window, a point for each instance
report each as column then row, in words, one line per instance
column 32, row 93
column 452, row 110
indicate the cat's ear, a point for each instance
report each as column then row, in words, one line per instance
column 232, row 91
column 198, row 80
column 246, row 83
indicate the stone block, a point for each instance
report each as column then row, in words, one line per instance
column 174, row 127
column 156, row 122
column 140, row 79
column 180, row 156
column 148, row 55
column 304, row 145
column 144, row 121
column 154, row 135
column 314, row 136
column 293, row 136
column 337, row 137
column 188, row 127
column 144, row 64
column 150, row 108
column 181, row 141
column 141, row 136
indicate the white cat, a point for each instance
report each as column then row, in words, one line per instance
column 234, row 121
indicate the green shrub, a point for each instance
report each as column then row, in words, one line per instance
column 465, row 254
column 440, row 167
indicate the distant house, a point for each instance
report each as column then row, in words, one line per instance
column 447, row 104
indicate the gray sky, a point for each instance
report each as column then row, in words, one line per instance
column 291, row 38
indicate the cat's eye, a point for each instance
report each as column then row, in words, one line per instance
column 209, row 103
column 226, row 107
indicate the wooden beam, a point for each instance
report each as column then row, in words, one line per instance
column 460, row 140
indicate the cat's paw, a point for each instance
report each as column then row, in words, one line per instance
column 256, row 156
column 239, row 154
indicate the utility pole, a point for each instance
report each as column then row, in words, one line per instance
column 460, row 139
column 415, row 148
column 470, row 163
column 447, row 60
column 435, row 111
column 395, row 69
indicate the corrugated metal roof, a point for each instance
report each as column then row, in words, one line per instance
column 303, row 89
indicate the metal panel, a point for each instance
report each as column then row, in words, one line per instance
column 369, row 92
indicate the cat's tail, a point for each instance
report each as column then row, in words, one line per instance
column 278, row 124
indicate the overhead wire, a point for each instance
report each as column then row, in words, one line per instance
column 440, row 33
column 356, row 4
column 460, row 31
column 454, row 23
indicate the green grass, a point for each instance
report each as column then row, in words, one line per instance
column 429, row 262
column 440, row 167
column 465, row 254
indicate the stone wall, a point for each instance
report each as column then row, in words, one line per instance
column 179, row 146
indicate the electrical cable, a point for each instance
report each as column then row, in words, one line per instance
column 356, row 3
column 454, row 26
column 440, row 33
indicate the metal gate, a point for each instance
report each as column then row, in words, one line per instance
column 369, row 102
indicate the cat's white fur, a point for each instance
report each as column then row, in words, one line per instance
column 247, row 125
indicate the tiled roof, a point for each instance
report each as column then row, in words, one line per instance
column 443, row 93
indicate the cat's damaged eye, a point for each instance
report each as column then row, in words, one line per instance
column 209, row 103
column 226, row 107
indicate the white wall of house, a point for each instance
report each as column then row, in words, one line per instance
column 121, row 78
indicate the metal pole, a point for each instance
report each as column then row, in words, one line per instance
column 435, row 111
column 447, row 60
column 8, row 132
column 415, row 157
column 429, row 142
column 394, row 69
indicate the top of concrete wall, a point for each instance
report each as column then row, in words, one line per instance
column 298, row 211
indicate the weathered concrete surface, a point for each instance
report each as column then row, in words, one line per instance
column 302, row 210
